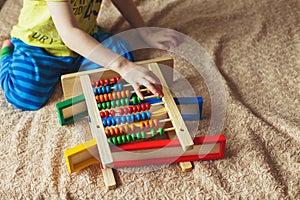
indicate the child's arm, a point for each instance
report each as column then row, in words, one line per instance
column 162, row 39
column 82, row 43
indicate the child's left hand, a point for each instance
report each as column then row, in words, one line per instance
column 161, row 39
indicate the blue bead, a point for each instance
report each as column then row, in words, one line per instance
column 128, row 119
column 99, row 90
column 113, row 121
column 148, row 114
column 95, row 91
column 132, row 116
column 117, row 119
column 104, row 122
column 115, row 87
column 138, row 117
column 120, row 87
column 103, row 90
column 123, row 119
column 108, row 121
column 107, row 88
column 144, row 116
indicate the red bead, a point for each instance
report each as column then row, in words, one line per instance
column 112, row 113
column 143, row 106
column 134, row 109
column 106, row 81
column 106, row 113
column 102, row 114
column 130, row 109
column 97, row 83
column 121, row 111
column 138, row 107
column 93, row 83
column 101, row 82
column 113, row 80
column 118, row 78
column 148, row 106
column 125, row 109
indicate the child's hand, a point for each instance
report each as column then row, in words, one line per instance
column 137, row 75
column 161, row 39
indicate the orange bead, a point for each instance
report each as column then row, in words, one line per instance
column 114, row 95
column 127, row 92
column 112, row 131
column 105, row 96
column 123, row 94
column 132, row 127
column 101, row 98
column 110, row 97
column 119, row 95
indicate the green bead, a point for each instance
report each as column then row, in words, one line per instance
column 117, row 102
column 138, row 136
column 127, row 101
column 108, row 105
column 123, row 138
column 133, row 136
column 103, row 105
column 109, row 141
column 158, row 97
column 160, row 131
column 153, row 132
column 113, row 104
column 134, row 100
column 143, row 134
column 128, row 138
column 119, row 140
column 99, row 106
column 122, row 102
column 114, row 140
column 139, row 100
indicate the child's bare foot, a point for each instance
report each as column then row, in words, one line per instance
column 6, row 43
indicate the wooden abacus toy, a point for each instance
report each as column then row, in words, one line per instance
column 121, row 124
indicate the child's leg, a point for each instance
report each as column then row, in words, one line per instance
column 114, row 43
column 28, row 75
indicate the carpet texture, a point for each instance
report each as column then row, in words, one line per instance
column 256, row 47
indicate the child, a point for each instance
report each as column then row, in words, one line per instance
column 54, row 37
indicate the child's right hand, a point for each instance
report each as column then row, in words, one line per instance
column 137, row 75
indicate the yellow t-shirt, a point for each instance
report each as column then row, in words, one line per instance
column 36, row 28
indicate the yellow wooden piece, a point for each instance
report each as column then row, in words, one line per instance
column 181, row 130
column 96, row 125
column 81, row 156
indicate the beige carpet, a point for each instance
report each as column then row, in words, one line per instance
column 256, row 46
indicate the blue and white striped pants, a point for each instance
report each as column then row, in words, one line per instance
column 29, row 74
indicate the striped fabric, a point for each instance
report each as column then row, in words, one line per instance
column 29, row 75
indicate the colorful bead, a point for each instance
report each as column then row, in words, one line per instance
column 114, row 140
column 106, row 81
column 160, row 131
column 127, row 101
column 153, row 132
column 134, row 100
column 107, row 88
